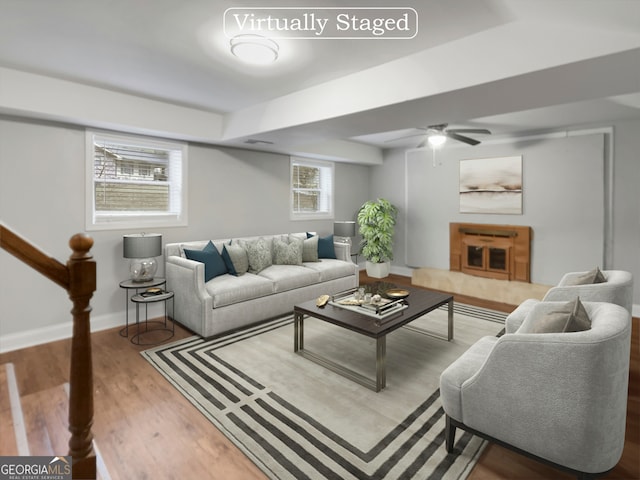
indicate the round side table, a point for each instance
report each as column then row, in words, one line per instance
column 128, row 286
column 142, row 299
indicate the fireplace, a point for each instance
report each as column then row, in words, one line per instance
column 493, row 251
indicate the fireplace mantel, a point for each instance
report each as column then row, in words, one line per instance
column 493, row 251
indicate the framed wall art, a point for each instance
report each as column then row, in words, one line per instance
column 491, row 185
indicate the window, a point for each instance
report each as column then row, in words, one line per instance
column 311, row 189
column 135, row 182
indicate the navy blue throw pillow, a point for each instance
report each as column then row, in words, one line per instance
column 214, row 265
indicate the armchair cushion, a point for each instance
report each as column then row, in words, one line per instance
column 568, row 317
column 587, row 278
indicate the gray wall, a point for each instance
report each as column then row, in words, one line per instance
column 565, row 209
column 565, row 185
column 237, row 192
column 42, row 197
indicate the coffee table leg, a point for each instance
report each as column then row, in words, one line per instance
column 381, row 363
column 298, row 331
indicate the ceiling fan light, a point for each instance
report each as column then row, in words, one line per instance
column 436, row 140
column 254, row 49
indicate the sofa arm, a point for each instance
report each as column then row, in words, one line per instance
column 193, row 305
column 515, row 319
column 343, row 251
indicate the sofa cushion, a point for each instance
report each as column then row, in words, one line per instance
column 568, row 317
column 227, row 289
column 330, row 269
column 325, row 246
column 588, row 278
column 259, row 253
column 287, row 253
column 288, row 277
column 237, row 255
column 228, row 262
column 214, row 265
column 309, row 247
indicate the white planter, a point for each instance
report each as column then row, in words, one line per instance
column 378, row 270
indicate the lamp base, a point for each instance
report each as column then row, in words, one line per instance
column 143, row 269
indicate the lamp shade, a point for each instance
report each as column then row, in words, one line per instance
column 142, row 245
column 344, row 228
column 141, row 248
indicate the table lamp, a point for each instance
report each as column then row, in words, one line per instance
column 141, row 248
column 344, row 230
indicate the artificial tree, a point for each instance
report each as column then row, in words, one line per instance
column 377, row 220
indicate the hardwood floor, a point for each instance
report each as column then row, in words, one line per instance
column 145, row 429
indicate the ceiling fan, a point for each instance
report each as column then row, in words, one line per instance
column 436, row 135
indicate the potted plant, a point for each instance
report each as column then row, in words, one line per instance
column 376, row 221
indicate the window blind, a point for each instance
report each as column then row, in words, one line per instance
column 135, row 178
column 311, row 189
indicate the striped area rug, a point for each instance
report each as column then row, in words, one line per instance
column 297, row 420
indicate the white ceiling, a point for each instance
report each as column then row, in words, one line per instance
column 511, row 66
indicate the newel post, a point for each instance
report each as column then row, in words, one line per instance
column 82, row 284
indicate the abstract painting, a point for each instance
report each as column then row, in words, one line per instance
column 491, row 185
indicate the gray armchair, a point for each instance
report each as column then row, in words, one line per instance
column 560, row 398
column 617, row 289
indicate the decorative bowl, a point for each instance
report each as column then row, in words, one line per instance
column 397, row 293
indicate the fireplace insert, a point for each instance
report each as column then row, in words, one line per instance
column 493, row 251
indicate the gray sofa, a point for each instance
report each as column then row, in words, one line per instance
column 228, row 302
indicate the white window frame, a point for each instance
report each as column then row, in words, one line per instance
column 327, row 187
column 174, row 216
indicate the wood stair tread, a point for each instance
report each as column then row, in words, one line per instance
column 43, row 417
column 46, row 421
column 8, row 445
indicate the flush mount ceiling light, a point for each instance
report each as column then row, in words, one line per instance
column 254, row 49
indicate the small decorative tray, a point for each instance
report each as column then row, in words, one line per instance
column 381, row 309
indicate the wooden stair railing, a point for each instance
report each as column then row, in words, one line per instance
column 78, row 277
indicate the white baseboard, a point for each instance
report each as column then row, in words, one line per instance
column 29, row 338
column 635, row 310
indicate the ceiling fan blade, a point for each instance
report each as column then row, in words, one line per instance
column 461, row 138
column 470, row 130
column 422, row 144
column 439, row 128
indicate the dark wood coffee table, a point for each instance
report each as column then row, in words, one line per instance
column 420, row 302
